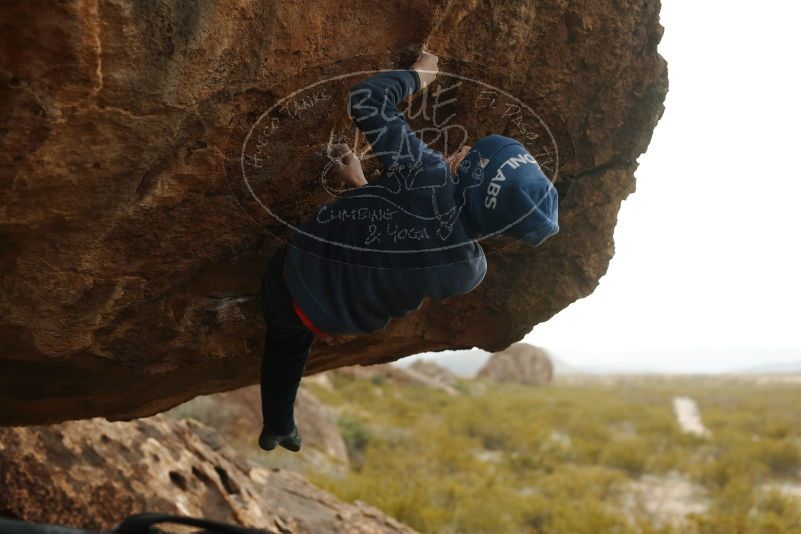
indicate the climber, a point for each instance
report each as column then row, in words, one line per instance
column 385, row 245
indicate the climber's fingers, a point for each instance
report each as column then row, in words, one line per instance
column 340, row 149
column 343, row 155
column 347, row 165
column 427, row 60
column 426, row 67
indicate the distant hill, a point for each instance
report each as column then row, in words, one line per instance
column 692, row 360
column 463, row 363
column 781, row 367
column 466, row 363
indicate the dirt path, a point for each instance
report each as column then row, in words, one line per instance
column 688, row 416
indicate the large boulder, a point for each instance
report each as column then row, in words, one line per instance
column 434, row 370
column 130, row 250
column 236, row 415
column 93, row 473
column 521, row 363
column 396, row 374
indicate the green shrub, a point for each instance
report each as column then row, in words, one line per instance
column 563, row 454
column 626, row 454
column 378, row 380
column 356, row 436
column 781, row 456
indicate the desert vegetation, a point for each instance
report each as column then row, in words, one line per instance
column 586, row 456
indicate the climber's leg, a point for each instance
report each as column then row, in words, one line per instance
column 286, row 349
column 283, row 362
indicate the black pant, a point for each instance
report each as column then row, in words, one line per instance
column 286, row 349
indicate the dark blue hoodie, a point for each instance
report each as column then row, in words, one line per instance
column 380, row 249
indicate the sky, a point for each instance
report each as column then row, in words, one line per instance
column 708, row 249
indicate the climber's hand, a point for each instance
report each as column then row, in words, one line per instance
column 347, row 165
column 426, row 67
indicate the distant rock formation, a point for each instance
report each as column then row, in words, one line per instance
column 434, row 370
column 395, row 373
column 521, row 363
column 93, row 473
column 131, row 248
column 317, row 424
column 237, row 416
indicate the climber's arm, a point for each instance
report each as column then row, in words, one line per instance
column 373, row 106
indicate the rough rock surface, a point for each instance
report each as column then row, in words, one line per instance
column 129, row 263
column 396, row 373
column 319, row 427
column 236, row 415
column 521, row 363
column 434, row 370
column 93, row 473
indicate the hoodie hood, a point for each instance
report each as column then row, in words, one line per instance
column 510, row 194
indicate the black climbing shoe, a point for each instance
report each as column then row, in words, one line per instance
column 291, row 441
column 267, row 441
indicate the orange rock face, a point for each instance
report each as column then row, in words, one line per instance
column 129, row 250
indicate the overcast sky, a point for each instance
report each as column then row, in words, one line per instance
column 707, row 248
